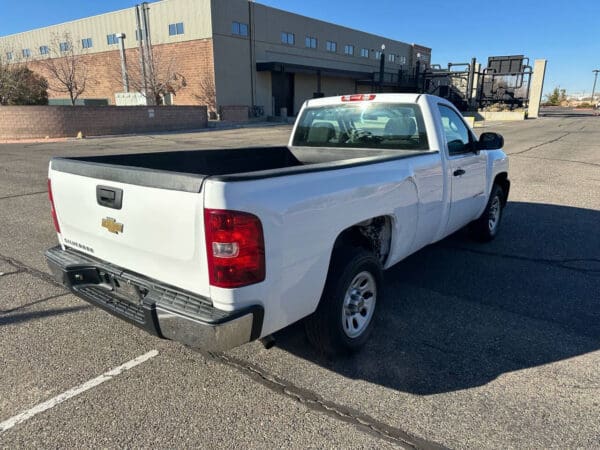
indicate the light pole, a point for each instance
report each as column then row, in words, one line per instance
column 121, row 38
column 381, row 67
column 595, row 78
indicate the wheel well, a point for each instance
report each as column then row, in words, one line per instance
column 503, row 181
column 374, row 235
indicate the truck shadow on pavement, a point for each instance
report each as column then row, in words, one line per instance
column 459, row 314
column 34, row 315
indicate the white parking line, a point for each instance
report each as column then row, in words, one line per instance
column 26, row 415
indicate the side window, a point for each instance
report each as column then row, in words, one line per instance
column 457, row 133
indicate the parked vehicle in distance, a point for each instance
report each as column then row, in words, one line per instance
column 216, row 248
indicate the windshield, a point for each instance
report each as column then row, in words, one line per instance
column 393, row 126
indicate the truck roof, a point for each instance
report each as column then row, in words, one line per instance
column 387, row 98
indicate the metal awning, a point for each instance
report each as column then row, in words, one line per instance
column 275, row 66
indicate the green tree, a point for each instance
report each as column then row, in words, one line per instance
column 563, row 95
column 554, row 98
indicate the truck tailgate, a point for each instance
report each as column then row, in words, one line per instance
column 156, row 232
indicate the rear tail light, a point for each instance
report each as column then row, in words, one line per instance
column 358, row 97
column 235, row 248
column 52, row 208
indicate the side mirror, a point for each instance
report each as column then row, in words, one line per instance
column 490, row 141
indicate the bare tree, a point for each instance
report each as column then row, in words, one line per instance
column 161, row 76
column 207, row 93
column 66, row 67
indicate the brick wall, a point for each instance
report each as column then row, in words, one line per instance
column 191, row 60
column 24, row 122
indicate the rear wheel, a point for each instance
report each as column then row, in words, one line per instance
column 487, row 226
column 344, row 318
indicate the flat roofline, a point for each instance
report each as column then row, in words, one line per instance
column 68, row 22
column 420, row 47
column 278, row 66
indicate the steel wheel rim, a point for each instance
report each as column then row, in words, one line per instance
column 494, row 214
column 359, row 304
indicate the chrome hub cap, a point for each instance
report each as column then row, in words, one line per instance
column 359, row 304
column 494, row 214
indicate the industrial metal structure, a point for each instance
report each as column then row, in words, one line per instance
column 505, row 80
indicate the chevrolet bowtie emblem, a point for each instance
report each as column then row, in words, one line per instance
column 112, row 225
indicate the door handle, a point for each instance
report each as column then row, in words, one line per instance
column 109, row 197
column 459, row 172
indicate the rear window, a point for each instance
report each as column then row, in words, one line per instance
column 393, row 126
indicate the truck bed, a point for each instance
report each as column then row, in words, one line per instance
column 185, row 170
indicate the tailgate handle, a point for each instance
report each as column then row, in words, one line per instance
column 109, row 197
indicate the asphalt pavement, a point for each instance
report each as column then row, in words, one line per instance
column 477, row 346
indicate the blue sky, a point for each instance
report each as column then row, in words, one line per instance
column 567, row 33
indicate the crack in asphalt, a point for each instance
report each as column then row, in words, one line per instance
column 561, row 263
column 541, row 145
column 314, row 402
column 24, row 268
column 23, row 195
column 7, row 274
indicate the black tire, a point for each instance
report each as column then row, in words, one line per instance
column 326, row 328
column 486, row 227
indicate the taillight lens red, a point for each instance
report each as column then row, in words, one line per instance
column 235, row 248
column 52, row 209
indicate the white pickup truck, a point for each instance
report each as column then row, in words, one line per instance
column 216, row 248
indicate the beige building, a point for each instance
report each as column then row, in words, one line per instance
column 246, row 53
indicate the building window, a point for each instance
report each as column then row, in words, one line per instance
column 331, row 46
column 403, row 60
column 288, row 38
column 9, row 56
column 26, row 53
column 44, row 50
column 64, row 46
column 364, row 52
column 310, row 42
column 175, row 29
column 391, row 58
column 112, row 39
column 377, row 54
column 239, row 29
column 87, row 43
column 349, row 50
